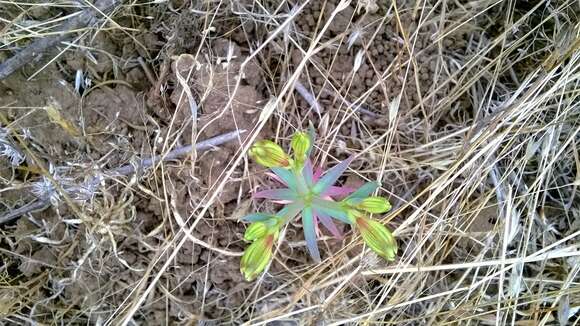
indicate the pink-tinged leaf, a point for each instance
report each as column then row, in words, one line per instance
column 286, row 176
column 330, row 177
column 317, row 174
column 328, row 224
column 277, row 194
column 307, row 173
column 282, row 202
column 330, row 208
column 275, row 177
column 310, row 233
column 316, row 226
column 337, row 192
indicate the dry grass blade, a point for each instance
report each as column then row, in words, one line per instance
column 33, row 51
column 467, row 113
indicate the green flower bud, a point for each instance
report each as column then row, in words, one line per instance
column 374, row 205
column 269, row 154
column 257, row 256
column 255, row 231
column 377, row 237
column 300, row 145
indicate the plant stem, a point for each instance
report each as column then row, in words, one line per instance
column 40, row 46
column 129, row 169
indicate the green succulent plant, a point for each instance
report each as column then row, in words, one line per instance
column 312, row 194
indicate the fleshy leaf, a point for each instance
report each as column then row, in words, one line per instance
column 332, row 209
column 277, row 194
column 290, row 211
column 310, row 233
column 307, row 173
column 317, row 174
column 339, row 192
column 363, row 192
column 282, row 202
column 312, row 135
column 286, row 176
column 328, row 224
column 257, row 217
column 275, row 177
column 330, row 177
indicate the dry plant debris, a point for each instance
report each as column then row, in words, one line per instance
column 467, row 114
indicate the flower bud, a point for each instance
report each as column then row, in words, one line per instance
column 255, row 231
column 269, row 154
column 257, row 256
column 300, row 145
column 374, row 205
column 377, row 237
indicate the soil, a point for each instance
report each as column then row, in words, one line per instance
column 384, row 55
column 107, row 125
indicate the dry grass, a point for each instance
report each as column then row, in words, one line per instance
column 483, row 173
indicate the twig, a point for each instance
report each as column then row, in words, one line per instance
column 129, row 169
column 35, row 50
column 35, row 205
column 179, row 152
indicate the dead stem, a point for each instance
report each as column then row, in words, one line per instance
column 38, row 48
column 129, row 169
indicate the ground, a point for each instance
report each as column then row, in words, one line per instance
column 466, row 113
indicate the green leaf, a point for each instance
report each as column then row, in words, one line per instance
column 308, row 173
column 332, row 209
column 328, row 223
column 290, row 211
column 257, row 217
column 363, row 192
column 286, row 176
column 310, row 233
column 330, row 177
